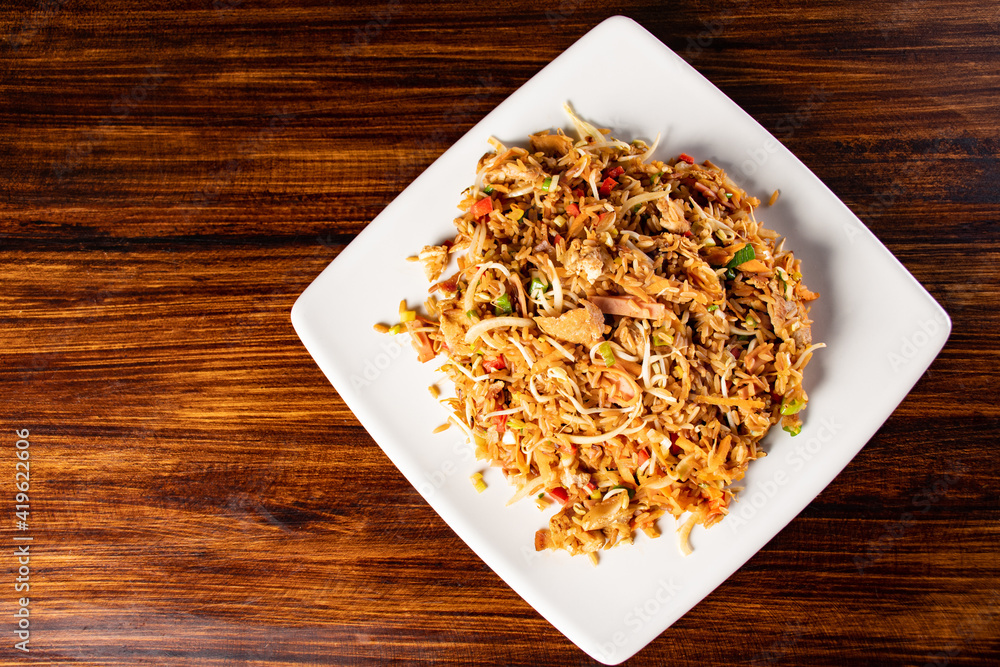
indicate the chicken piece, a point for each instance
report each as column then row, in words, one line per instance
column 543, row 540
column 585, row 261
column 550, row 144
column 629, row 307
column 559, row 526
column 511, row 172
column 454, row 333
column 804, row 294
column 569, row 479
column 782, row 311
column 607, row 512
column 583, row 326
column 672, row 215
column 435, row 258
column 803, row 336
column 758, row 281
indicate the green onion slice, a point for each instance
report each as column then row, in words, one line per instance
column 744, row 254
column 791, row 407
column 537, row 285
column 503, row 306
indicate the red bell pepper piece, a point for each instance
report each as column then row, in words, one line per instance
column 497, row 363
column 560, row 494
column 573, row 209
column 614, row 172
column 608, row 185
column 686, row 158
column 482, row 207
column 500, row 421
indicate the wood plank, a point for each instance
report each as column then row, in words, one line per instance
column 172, row 177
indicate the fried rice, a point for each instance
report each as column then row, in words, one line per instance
column 621, row 333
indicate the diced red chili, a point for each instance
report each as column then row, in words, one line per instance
column 614, row 172
column 573, row 209
column 500, row 421
column 559, row 494
column 497, row 363
column 482, row 207
column 608, row 185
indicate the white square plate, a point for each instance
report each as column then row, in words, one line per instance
column 882, row 330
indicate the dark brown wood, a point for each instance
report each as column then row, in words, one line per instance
column 173, row 175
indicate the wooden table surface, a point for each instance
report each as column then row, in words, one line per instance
column 173, row 175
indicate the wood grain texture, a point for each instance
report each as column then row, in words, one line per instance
column 173, row 176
